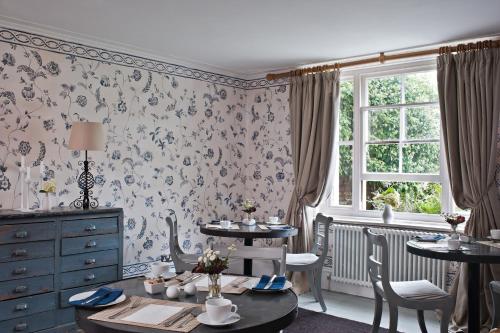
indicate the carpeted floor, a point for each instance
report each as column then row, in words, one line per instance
column 317, row 322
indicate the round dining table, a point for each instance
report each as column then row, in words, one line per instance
column 473, row 254
column 260, row 312
column 248, row 233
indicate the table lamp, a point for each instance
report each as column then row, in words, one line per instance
column 86, row 136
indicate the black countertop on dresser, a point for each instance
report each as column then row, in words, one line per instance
column 59, row 211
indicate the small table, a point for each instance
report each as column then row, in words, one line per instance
column 248, row 233
column 263, row 313
column 473, row 254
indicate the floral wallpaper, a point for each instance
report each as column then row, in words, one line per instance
column 182, row 146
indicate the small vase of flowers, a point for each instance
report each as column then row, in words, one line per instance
column 387, row 200
column 249, row 209
column 454, row 220
column 212, row 264
column 48, row 188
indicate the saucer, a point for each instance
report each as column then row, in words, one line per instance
column 203, row 318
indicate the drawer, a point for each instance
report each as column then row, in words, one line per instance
column 64, row 295
column 26, row 268
column 89, row 244
column 89, row 260
column 23, row 251
column 65, row 316
column 26, row 287
column 25, row 306
column 28, row 324
column 74, row 228
column 20, row 233
column 89, row 276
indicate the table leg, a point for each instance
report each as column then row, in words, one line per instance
column 247, row 263
column 473, row 297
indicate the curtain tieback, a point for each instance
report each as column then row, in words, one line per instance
column 488, row 189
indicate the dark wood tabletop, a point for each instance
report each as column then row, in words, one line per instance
column 470, row 252
column 262, row 313
column 246, row 231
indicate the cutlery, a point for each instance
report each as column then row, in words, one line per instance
column 268, row 285
column 190, row 279
column 176, row 317
column 134, row 305
column 194, row 312
column 239, row 283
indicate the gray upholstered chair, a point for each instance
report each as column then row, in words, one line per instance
column 419, row 295
column 182, row 261
column 310, row 262
column 495, row 295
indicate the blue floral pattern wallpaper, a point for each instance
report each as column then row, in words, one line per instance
column 175, row 146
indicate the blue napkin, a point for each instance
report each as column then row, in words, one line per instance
column 278, row 283
column 102, row 296
column 429, row 238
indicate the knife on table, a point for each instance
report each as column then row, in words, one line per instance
column 268, row 285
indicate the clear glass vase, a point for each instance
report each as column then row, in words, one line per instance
column 214, row 285
column 454, row 234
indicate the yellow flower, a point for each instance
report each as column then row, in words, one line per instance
column 49, row 186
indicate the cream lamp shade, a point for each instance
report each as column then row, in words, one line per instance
column 86, row 136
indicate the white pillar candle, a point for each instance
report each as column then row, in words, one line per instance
column 28, row 173
column 42, row 169
column 22, row 161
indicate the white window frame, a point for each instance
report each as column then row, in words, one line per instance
column 330, row 206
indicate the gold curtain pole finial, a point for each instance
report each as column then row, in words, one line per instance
column 382, row 58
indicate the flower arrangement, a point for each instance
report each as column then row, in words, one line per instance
column 49, row 186
column 211, row 261
column 249, row 206
column 389, row 197
column 453, row 219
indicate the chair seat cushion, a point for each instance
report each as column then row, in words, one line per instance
column 189, row 258
column 300, row 258
column 416, row 290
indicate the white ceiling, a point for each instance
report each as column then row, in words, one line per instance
column 248, row 37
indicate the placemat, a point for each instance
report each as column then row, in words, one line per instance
column 217, row 226
column 235, row 287
column 490, row 243
column 105, row 314
column 262, row 227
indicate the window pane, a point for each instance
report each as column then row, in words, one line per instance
column 421, row 158
column 383, row 124
column 421, row 87
column 423, row 123
column 412, row 197
column 382, row 158
column 345, row 175
column 346, row 107
column 384, row 90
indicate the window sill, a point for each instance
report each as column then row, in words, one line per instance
column 396, row 224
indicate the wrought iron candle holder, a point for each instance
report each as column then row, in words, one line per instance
column 85, row 183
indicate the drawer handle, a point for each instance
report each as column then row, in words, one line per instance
column 22, row 307
column 21, row 234
column 91, row 244
column 20, row 289
column 20, row 270
column 20, row 327
column 90, row 227
column 90, row 261
column 20, row 253
column 90, row 277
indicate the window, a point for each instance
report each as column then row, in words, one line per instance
column 389, row 144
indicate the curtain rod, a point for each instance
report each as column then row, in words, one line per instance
column 384, row 57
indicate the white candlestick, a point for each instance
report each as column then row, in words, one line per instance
column 42, row 169
column 28, row 173
column 22, row 161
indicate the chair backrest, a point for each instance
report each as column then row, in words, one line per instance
column 261, row 253
column 378, row 267
column 175, row 249
column 321, row 231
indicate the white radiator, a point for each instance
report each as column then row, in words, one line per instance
column 346, row 265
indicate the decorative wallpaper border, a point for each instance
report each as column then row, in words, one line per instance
column 19, row 37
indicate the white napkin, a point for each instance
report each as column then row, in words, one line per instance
column 153, row 314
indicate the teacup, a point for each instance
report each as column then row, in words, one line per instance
column 453, row 244
column 273, row 219
column 225, row 224
column 219, row 309
column 495, row 233
column 158, row 268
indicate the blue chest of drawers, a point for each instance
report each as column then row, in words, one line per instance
column 46, row 257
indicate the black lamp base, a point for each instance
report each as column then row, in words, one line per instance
column 85, row 183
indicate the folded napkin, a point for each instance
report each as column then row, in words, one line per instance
column 429, row 238
column 102, row 296
column 277, row 284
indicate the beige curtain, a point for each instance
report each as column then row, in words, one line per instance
column 314, row 101
column 469, row 95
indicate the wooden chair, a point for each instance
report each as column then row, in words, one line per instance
column 419, row 295
column 182, row 261
column 310, row 262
